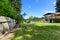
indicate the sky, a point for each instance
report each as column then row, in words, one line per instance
column 37, row 8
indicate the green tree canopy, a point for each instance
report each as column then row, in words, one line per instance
column 7, row 10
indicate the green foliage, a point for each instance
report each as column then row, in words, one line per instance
column 24, row 14
column 7, row 10
column 16, row 4
column 20, row 19
column 34, row 19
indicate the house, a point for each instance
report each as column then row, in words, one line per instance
column 52, row 17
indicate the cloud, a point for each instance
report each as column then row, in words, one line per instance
column 49, row 11
column 54, row 2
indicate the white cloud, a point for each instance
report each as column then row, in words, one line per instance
column 49, row 11
column 54, row 2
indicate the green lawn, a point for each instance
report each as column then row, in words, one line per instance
column 38, row 31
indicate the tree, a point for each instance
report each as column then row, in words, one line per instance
column 7, row 10
column 24, row 14
column 33, row 19
column 57, row 5
column 16, row 4
column 11, row 8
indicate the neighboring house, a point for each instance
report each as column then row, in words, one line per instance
column 6, row 24
column 52, row 17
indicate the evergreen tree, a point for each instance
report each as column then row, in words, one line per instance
column 57, row 5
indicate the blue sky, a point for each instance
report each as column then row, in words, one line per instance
column 37, row 7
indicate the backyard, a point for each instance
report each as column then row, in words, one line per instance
column 38, row 31
column 29, row 20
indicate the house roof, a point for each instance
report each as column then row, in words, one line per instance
column 48, row 14
column 57, row 14
column 53, row 15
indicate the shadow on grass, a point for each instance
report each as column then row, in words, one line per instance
column 34, row 32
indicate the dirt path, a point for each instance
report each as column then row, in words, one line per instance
column 7, row 37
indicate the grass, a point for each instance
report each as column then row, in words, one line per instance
column 38, row 31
